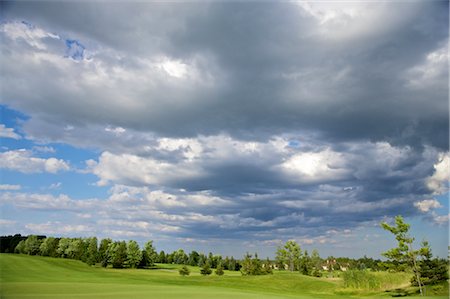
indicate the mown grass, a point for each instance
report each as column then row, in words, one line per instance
column 37, row 277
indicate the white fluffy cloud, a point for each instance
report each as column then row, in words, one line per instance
column 22, row 160
column 132, row 169
column 317, row 167
column 427, row 205
column 8, row 132
column 439, row 181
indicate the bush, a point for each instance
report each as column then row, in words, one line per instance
column 206, row 269
column 184, row 271
column 219, row 270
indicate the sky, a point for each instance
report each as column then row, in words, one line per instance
column 226, row 126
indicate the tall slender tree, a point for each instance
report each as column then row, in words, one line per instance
column 404, row 252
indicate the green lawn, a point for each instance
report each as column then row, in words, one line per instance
column 40, row 277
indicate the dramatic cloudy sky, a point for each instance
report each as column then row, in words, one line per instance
column 226, row 127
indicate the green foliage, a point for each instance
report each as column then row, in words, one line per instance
column 103, row 251
column 289, row 254
column 431, row 271
column 219, row 270
column 75, row 249
column 252, row 266
column 193, row 258
column 8, row 244
column 162, row 257
column 92, row 255
column 206, row 269
column 117, row 253
column 49, row 247
column 316, row 263
column 134, row 254
column 151, row 253
column 144, row 262
column 179, row 257
column 20, row 248
column 201, row 260
column 184, row 271
column 267, row 267
column 63, row 245
column 404, row 253
column 32, row 245
column 305, row 265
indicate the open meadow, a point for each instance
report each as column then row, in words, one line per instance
column 38, row 277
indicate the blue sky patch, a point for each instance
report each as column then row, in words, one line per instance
column 75, row 49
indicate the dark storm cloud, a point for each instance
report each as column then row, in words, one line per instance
column 278, row 72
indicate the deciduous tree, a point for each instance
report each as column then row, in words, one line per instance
column 134, row 254
column 289, row 254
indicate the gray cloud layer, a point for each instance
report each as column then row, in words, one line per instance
column 293, row 116
column 272, row 68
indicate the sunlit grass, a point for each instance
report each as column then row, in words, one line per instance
column 41, row 277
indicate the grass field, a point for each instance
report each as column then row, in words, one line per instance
column 40, row 277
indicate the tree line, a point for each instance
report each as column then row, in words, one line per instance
column 289, row 256
column 122, row 254
column 116, row 254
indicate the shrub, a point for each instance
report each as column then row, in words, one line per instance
column 219, row 270
column 184, row 271
column 206, row 269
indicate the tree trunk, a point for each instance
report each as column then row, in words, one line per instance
column 416, row 271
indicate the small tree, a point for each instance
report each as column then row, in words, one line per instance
column 289, row 254
column 431, row 270
column 206, row 269
column 404, row 253
column 252, row 266
column 184, row 271
column 219, row 270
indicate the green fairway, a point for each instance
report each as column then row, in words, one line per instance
column 40, row 277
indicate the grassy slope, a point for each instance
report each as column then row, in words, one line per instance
column 39, row 277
